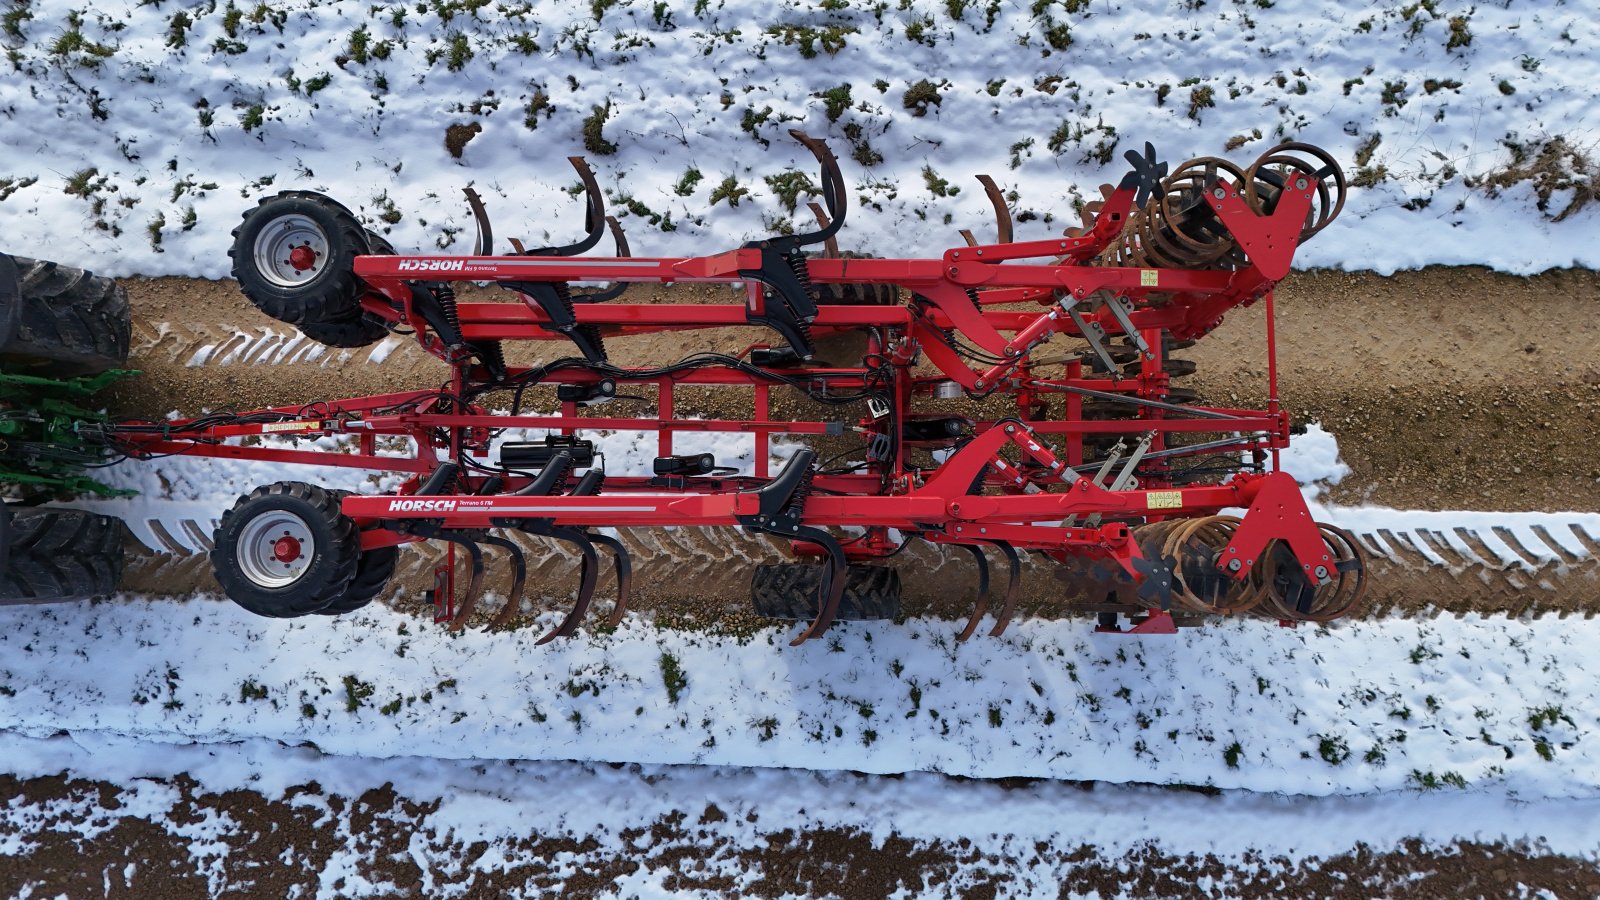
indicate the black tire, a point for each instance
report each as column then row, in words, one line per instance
column 69, row 319
column 362, row 331
column 789, row 591
column 378, row 245
column 59, row 554
column 247, row 556
column 373, row 572
column 272, row 280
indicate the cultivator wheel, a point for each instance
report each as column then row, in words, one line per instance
column 791, row 591
column 294, row 257
column 1266, row 179
column 1180, row 229
column 1192, row 547
column 285, row 550
column 374, row 568
column 373, row 572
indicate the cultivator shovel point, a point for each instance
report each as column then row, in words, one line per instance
column 1086, row 455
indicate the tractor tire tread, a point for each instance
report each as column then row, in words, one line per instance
column 72, row 319
column 60, row 555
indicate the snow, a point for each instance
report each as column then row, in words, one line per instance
column 1361, row 707
column 133, row 140
column 500, row 801
column 128, row 143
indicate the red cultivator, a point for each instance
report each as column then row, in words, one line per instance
column 1096, row 461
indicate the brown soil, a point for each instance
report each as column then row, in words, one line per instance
column 281, row 847
column 1448, row 388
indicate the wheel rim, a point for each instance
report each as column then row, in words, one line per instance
column 291, row 250
column 275, row 549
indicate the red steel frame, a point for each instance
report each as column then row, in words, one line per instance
column 962, row 290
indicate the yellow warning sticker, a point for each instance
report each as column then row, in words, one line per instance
column 1163, row 500
column 1147, row 277
column 291, row 426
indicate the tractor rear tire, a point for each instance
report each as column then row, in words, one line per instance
column 70, row 320
column 285, row 550
column 294, row 258
column 58, row 554
column 789, row 591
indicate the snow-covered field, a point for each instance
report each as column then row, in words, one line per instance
column 501, row 803
column 1366, row 706
column 134, row 134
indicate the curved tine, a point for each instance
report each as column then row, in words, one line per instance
column 983, row 591
column 1010, row 604
column 484, row 244
column 833, row 192
column 831, row 590
column 594, row 217
column 616, row 288
column 587, row 580
column 618, row 237
column 966, row 235
column 519, row 578
column 830, row 247
column 624, row 567
column 1002, row 213
column 474, row 584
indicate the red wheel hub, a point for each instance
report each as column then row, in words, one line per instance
column 303, row 258
column 286, row 549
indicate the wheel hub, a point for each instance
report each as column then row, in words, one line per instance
column 286, row 549
column 289, row 250
column 276, row 548
column 303, row 258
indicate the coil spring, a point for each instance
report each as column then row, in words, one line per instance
column 445, row 296
column 493, row 356
column 567, row 465
column 802, row 493
column 564, row 294
column 802, row 274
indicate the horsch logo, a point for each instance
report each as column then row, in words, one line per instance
column 431, row 265
column 422, row 506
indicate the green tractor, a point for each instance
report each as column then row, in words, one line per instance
column 63, row 337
